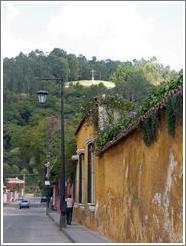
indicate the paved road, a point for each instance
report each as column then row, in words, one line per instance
column 30, row 226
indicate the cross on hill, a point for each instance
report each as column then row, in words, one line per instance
column 93, row 74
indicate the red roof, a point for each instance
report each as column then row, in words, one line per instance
column 14, row 181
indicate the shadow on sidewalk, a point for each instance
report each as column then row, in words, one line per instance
column 78, row 233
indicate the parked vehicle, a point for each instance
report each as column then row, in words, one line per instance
column 20, row 198
column 24, row 203
column 43, row 199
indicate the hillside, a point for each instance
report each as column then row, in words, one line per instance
column 88, row 83
column 31, row 131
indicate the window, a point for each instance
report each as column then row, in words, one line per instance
column 90, row 173
column 81, row 157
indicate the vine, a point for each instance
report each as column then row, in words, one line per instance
column 177, row 103
column 90, row 111
column 171, row 119
column 174, row 111
column 149, row 128
column 110, row 133
column 159, row 92
column 111, row 105
column 167, row 96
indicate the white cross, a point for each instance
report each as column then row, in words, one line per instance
column 92, row 74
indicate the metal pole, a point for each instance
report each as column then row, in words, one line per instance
column 24, row 184
column 62, row 221
column 62, row 177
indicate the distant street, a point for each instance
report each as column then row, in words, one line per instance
column 30, row 225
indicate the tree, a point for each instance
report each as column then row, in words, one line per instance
column 130, row 82
column 58, row 53
column 73, row 67
column 85, row 68
column 58, row 67
column 155, row 72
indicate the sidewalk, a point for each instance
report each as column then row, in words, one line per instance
column 78, row 233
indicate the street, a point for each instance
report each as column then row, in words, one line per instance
column 30, row 225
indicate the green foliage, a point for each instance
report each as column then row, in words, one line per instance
column 131, row 83
column 171, row 119
column 20, row 73
column 29, row 135
column 74, row 68
column 10, row 169
column 90, row 111
column 122, row 73
column 116, row 109
column 154, row 72
column 134, row 81
column 174, row 107
column 160, row 92
column 119, row 104
column 177, row 102
column 59, row 67
column 149, row 128
column 174, row 111
column 109, row 134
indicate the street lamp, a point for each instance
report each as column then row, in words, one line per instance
column 42, row 98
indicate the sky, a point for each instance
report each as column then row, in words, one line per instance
column 117, row 30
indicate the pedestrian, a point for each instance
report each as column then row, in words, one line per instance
column 69, row 209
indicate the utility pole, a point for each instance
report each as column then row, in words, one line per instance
column 23, row 190
column 62, row 181
column 42, row 98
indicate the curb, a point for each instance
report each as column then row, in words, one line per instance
column 13, row 205
column 63, row 230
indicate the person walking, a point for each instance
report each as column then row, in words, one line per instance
column 69, row 209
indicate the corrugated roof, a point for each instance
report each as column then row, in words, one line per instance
column 14, row 181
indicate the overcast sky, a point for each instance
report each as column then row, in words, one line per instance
column 117, row 30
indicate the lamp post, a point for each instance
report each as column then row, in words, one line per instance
column 42, row 98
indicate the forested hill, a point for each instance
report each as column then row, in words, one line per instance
column 20, row 73
column 31, row 131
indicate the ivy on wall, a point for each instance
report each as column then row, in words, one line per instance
column 90, row 111
column 173, row 112
column 167, row 96
column 109, row 134
column 112, row 105
column 170, row 115
column 149, row 128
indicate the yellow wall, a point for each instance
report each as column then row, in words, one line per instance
column 139, row 189
column 86, row 131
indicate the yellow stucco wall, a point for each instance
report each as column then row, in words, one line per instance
column 85, row 132
column 139, row 189
column 140, row 199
